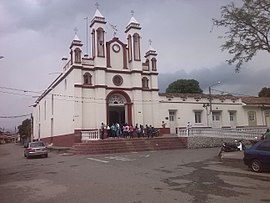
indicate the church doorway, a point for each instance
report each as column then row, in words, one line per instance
column 117, row 114
column 118, row 108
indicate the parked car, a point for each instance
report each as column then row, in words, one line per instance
column 36, row 148
column 257, row 157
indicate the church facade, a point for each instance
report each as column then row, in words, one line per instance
column 118, row 83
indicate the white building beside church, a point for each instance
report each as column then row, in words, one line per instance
column 117, row 84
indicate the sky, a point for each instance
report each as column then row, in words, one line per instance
column 36, row 34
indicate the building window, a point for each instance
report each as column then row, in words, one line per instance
column 231, row 116
column 216, row 116
column 136, row 44
column 77, row 52
column 154, row 64
column 147, row 64
column 93, row 43
column 100, row 42
column 117, row 80
column 198, row 117
column 171, row 115
column 145, row 82
column 129, row 48
column 87, row 79
column 251, row 116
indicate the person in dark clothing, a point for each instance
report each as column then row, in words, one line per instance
column 102, row 131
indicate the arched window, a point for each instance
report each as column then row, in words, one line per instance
column 71, row 57
column 154, row 64
column 100, row 42
column 93, row 43
column 87, row 79
column 147, row 63
column 136, row 44
column 129, row 48
column 78, row 58
column 145, row 83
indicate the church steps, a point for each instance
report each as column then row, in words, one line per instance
column 108, row 146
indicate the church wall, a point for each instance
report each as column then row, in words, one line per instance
column 57, row 117
column 64, row 99
column 88, row 109
column 137, row 109
column 126, row 79
column 116, row 59
column 100, row 107
column 147, row 108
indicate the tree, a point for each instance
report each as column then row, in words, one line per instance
column 265, row 92
column 25, row 129
column 184, row 86
column 248, row 30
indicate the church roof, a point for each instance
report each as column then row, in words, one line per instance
column 133, row 20
column 76, row 38
column 199, row 95
column 98, row 14
column 150, row 48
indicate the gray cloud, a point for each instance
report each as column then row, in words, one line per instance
column 35, row 34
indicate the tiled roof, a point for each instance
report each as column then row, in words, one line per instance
column 198, row 95
column 256, row 100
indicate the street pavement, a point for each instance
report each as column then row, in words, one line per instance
column 187, row 175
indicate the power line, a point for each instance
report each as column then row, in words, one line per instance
column 17, row 94
column 18, row 116
column 21, row 90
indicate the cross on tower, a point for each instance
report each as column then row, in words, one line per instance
column 114, row 29
column 97, row 4
column 150, row 42
column 75, row 30
column 132, row 12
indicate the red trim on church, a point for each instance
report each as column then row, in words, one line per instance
column 129, row 104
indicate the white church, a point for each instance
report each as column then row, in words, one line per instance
column 118, row 83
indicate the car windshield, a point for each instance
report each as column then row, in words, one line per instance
column 37, row 144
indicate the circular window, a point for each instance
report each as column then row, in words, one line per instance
column 116, row 48
column 117, row 80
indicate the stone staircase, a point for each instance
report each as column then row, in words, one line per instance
column 121, row 145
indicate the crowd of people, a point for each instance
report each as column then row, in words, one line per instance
column 117, row 130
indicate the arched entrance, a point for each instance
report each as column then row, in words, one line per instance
column 118, row 108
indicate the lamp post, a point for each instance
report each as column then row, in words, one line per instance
column 210, row 97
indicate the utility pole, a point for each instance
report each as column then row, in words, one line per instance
column 210, row 99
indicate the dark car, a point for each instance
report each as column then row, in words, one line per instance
column 37, row 148
column 257, row 157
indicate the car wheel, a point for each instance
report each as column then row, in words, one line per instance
column 256, row 165
column 46, row 155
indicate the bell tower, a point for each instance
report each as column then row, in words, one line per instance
column 97, row 30
column 76, row 50
column 134, row 39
